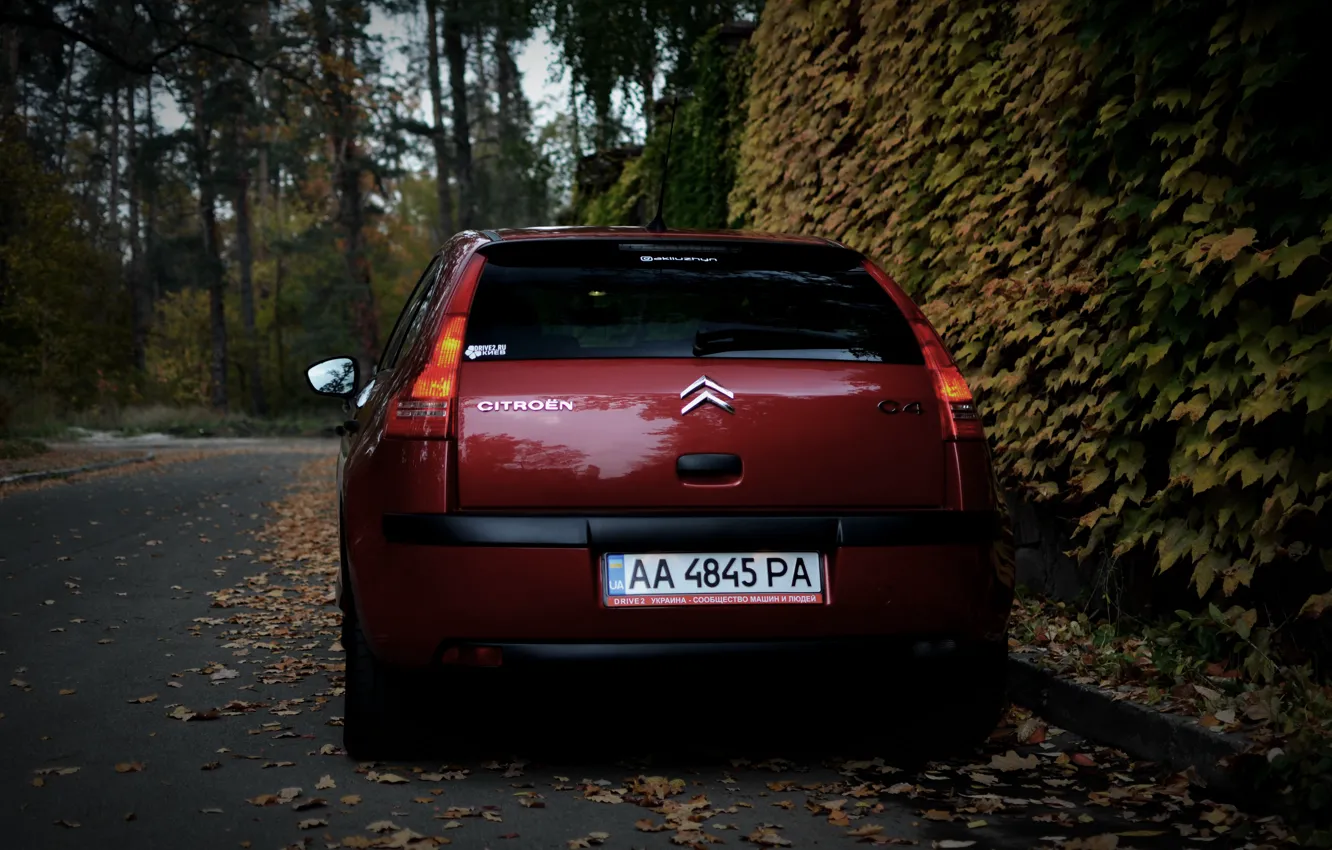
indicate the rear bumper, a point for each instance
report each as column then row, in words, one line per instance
column 609, row 534
column 853, row 651
column 533, row 586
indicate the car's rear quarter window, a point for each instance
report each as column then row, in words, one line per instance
column 570, row 298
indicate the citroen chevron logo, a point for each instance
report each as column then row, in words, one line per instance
column 707, row 385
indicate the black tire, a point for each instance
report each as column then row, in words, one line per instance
column 942, row 708
column 965, row 705
column 375, row 722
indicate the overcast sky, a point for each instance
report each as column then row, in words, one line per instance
column 547, row 89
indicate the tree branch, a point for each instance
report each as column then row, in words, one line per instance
column 151, row 64
column 416, row 128
column 53, row 24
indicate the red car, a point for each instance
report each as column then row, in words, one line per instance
column 611, row 443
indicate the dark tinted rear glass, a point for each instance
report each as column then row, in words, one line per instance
column 600, row 299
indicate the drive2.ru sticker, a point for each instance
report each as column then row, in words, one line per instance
column 474, row 351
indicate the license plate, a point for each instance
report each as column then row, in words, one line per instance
column 711, row 578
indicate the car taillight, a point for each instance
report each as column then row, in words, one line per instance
column 957, row 407
column 425, row 410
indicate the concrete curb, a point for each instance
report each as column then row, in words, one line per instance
column 1142, row 732
column 44, row 475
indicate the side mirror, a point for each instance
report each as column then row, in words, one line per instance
column 337, row 377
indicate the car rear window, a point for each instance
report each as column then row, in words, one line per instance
column 572, row 299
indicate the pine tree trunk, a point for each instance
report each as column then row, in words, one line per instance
column 443, row 197
column 481, row 123
column 456, row 54
column 278, row 272
column 65, row 99
column 352, row 214
column 113, row 192
column 575, row 126
column 9, row 86
column 648, row 81
column 480, row 117
column 217, row 312
column 245, row 272
column 138, row 313
column 261, row 176
column 604, row 131
column 150, row 213
column 506, row 88
column 89, row 194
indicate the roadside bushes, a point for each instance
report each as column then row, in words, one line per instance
column 61, row 304
column 1119, row 214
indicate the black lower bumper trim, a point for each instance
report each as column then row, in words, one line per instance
column 696, row 533
column 942, row 650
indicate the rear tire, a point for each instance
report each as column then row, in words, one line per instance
column 944, row 708
column 375, row 722
column 964, row 705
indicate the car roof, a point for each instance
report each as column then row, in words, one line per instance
column 521, row 233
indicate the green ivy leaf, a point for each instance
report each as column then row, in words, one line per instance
column 1172, row 99
column 1153, row 353
column 1203, row 575
column 1227, row 248
column 1197, row 213
column 1289, row 257
column 1248, row 266
column 1305, row 303
column 1194, row 408
column 1204, row 478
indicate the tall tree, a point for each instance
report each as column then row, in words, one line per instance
column 337, row 39
column 9, row 71
column 245, row 267
column 261, row 154
column 439, row 138
column 213, row 273
column 113, row 166
column 135, row 274
column 456, row 53
column 152, row 285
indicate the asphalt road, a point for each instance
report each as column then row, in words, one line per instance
column 108, row 587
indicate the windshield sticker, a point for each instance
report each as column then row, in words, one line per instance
column 475, row 351
column 648, row 258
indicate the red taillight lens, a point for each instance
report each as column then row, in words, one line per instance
column 957, row 408
column 427, row 409
column 424, row 411
column 439, row 379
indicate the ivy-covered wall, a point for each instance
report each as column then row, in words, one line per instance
column 1119, row 213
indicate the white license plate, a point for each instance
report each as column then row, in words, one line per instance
column 711, row 578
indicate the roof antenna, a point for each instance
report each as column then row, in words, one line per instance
column 657, row 225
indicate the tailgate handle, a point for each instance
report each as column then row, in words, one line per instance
column 707, row 464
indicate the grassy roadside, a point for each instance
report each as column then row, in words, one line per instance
column 38, row 425
column 21, row 448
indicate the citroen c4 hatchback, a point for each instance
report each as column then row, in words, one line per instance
column 586, row 445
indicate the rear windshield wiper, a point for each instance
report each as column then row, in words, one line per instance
column 765, row 339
